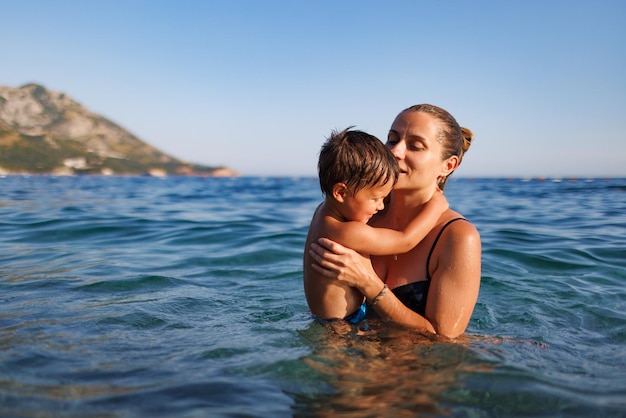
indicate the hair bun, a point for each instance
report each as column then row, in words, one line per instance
column 468, row 137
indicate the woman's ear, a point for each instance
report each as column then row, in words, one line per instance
column 340, row 190
column 450, row 165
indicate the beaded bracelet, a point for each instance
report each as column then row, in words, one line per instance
column 379, row 296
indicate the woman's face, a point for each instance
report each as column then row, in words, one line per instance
column 413, row 141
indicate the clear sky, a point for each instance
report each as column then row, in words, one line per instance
column 257, row 85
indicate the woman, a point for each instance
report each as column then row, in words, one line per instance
column 432, row 288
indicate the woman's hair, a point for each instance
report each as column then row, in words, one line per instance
column 357, row 159
column 455, row 139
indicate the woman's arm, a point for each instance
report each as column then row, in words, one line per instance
column 455, row 279
column 453, row 290
column 338, row 262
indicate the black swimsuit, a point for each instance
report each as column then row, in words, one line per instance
column 414, row 295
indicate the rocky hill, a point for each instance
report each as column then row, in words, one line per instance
column 46, row 132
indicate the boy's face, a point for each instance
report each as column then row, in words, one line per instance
column 365, row 203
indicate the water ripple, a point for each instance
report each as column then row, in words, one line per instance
column 183, row 297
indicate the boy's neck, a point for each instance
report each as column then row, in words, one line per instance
column 333, row 208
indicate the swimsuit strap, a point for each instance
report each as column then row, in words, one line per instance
column 437, row 240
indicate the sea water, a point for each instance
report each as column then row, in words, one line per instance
column 142, row 296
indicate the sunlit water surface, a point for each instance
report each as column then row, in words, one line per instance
column 138, row 296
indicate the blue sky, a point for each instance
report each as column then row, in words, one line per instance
column 257, row 85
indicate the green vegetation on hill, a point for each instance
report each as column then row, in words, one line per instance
column 44, row 132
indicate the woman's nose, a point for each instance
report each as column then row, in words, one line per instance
column 398, row 150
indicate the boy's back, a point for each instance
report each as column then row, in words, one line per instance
column 327, row 298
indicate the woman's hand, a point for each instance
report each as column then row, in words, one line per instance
column 335, row 261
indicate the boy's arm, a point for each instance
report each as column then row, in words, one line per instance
column 366, row 239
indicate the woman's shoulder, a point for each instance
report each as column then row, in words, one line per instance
column 458, row 225
column 457, row 240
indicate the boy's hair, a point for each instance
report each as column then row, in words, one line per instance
column 357, row 159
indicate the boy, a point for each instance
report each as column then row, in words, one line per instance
column 356, row 173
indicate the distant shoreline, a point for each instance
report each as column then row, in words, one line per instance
column 312, row 177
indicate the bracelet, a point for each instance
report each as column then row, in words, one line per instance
column 379, row 296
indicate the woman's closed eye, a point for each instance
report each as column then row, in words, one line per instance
column 416, row 145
